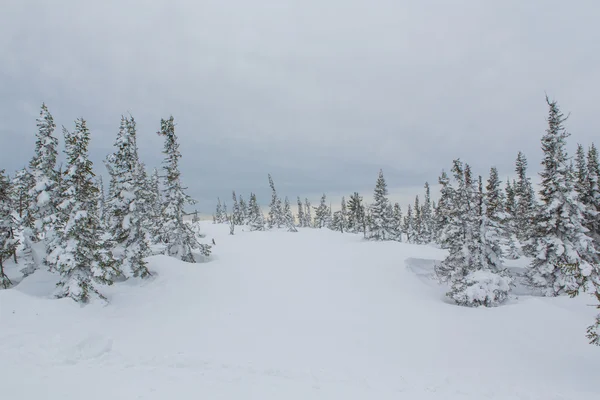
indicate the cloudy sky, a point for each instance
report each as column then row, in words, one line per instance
column 319, row 93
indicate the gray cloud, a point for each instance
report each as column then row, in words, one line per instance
column 320, row 94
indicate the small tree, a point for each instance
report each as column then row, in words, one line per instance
column 8, row 224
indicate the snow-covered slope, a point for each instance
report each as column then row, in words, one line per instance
column 277, row 315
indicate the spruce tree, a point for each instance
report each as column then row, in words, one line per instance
column 44, row 193
column 219, row 212
column 525, row 201
column 276, row 217
column 81, row 256
column 236, row 211
column 301, row 217
column 176, row 234
column 407, row 225
column 22, row 184
column 288, row 217
column 8, row 225
column 443, row 207
column 308, row 214
column 381, row 219
column 29, row 260
column 427, row 217
column 564, row 255
column 101, row 199
column 417, row 222
column 243, row 211
column 255, row 215
column 322, row 214
column 593, row 196
column 356, row 213
column 397, row 224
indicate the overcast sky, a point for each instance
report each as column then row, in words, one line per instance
column 319, row 93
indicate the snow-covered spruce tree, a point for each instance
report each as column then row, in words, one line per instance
column 236, row 211
column 255, row 215
column 593, row 196
column 29, row 259
column 339, row 221
column 22, row 183
column 288, row 217
column 44, row 194
column 175, row 233
column 397, row 222
column 564, row 254
column 417, row 222
column 129, row 203
column 81, row 256
column 322, row 214
column 219, row 217
column 243, row 211
column 381, row 226
column 301, row 217
column 276, row 217
column 427, row 217
column 472, row 266
column 225, row 213
column 101, row 199
column 525, row 201
column 442, row 210
column 356, row 213
column 407, row 225
column 308, row 214
column 8, row 225
column 232, row 224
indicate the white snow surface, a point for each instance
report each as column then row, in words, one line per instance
column 277, row 315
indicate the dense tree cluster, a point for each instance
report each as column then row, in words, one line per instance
column 88, row 237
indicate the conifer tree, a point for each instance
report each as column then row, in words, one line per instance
column 8, row 225
column 232, row 220
column 81, row 256
column 417, row 224
column 236, row 211
column 301, row 217
column 29, row 260
column 44, row 193
column 219, row 212
column 564, row 254
column 407, row 226
column 593, row 196
column 101, row 199
column 276, row 217
column 243, row 211
column 22, row 183
column 397, row 225
column 356, row 213
column 427, row 217
column 322, row 214
column 155, row 205
column 308, row 213
column 525, row 201
column 443, row 207
column 255, row 215
column 176, row 234
column 381, row 219
column 288, row 217
column 340, row 218
column 581, row 173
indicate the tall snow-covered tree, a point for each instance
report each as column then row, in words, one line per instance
column 417, row 222
column 564, row 253
column 356, row 213
column 340, row 218
column 276, row 217
column 301, row 217
column 381, row 219
column 243, row 211
column 255, row 215
column 525, row 201
column 176, row 234
column 219, row 218
column 22, row 183
column 407, row 225
column 593, row 196
column 44, row 194
column 322, row 214
column 288, row 217
column 101, row 199
column 397, row 222
column 236, row 211
column 308, row 213
column 427, row 217
column 81, row 257
column 443, row 207
column 8, row 225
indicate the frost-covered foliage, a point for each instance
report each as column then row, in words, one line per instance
column 243, row 211
column 22, row 184
column 322, row 213
column 236, row 212
column 525, row 203
column 381, row 221
column 426, row 217
column 301, row 217
column 308, row 214
column 288, row 217
column 220, row 212
column 27, row 255
column 356, row 213
column 564, row 253
column 81, row 257
column 44, row 194
column 255, row 216
column 397, row 222
column 407, row 225
column 276, row 215
column 474, row 261
column 129, row 205
column 175, row 233
column 8, row 225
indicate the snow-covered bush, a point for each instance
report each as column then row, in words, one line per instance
column 481, row 288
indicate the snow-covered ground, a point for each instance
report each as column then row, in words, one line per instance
column 277, row 315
